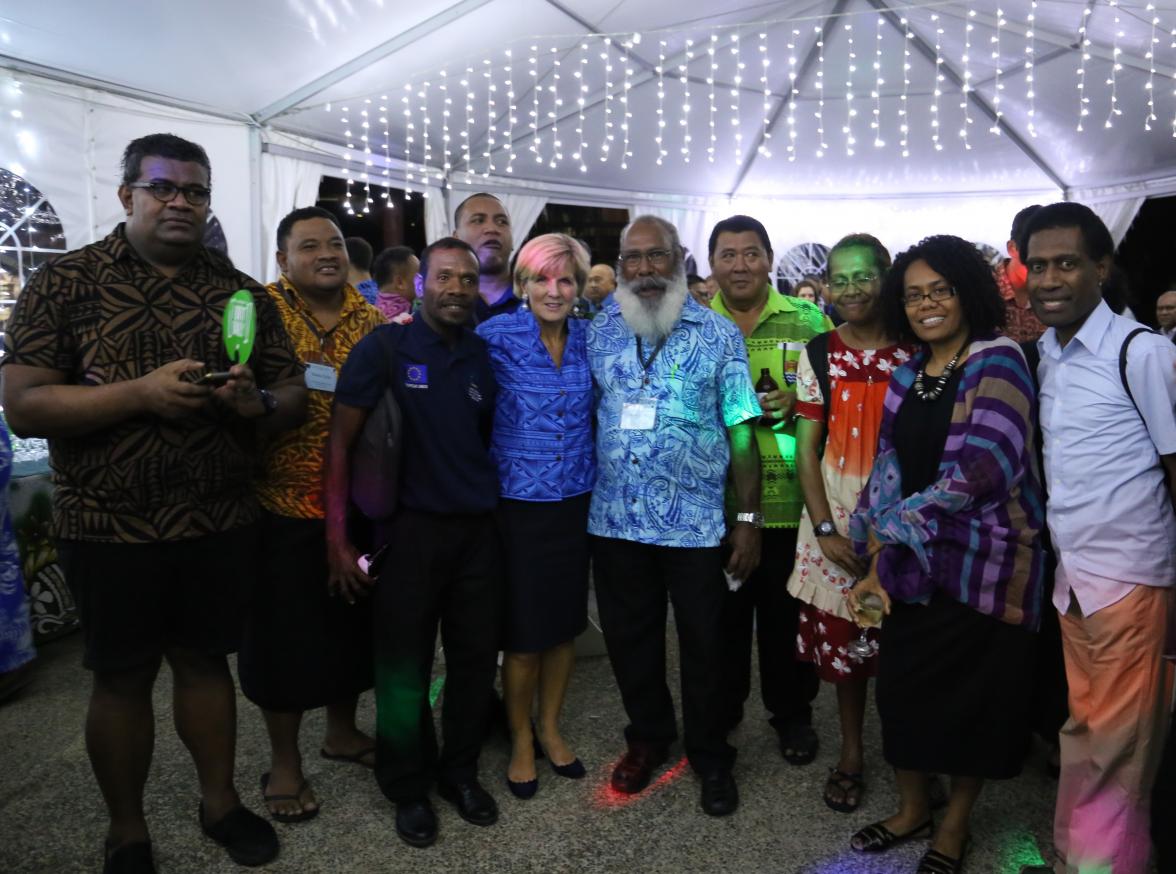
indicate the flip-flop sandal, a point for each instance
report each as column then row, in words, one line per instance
column 354, row 758
column 302, row 815
column 846, row 784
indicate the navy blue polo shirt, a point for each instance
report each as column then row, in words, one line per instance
column 447, row 397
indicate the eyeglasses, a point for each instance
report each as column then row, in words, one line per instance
column 914, row 298
column 655, row 257
column 858, row 280
column 165, row 192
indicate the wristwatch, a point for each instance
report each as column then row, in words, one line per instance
column 825, row 529
column 756, row 519
column 268, row 401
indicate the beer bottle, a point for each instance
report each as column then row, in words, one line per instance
column 765, row 383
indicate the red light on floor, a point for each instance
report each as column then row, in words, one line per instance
column 608, row 798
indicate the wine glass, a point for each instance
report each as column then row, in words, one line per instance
column 869, row 609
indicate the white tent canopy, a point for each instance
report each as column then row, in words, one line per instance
column 859, row 121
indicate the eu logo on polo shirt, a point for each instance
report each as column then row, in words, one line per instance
column 416, row 376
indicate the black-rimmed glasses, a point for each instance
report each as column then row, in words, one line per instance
column 165, row 192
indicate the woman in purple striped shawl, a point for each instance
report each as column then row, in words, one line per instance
column 951, row 514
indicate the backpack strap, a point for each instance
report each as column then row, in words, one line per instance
column 1123, row 366
column 818, row 355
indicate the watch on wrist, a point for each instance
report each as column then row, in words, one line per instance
column 756, row 519
column 825, row 529
column 268, row 401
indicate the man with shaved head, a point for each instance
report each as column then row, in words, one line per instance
column 602, row 282
column 483, row 222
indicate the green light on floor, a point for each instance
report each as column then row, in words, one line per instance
column 435, row 690
column 1018, row 850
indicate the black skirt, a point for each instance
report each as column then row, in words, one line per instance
column 301, row 648
column 954, row 689
column 546, row 548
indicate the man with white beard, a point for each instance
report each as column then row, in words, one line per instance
column 675, row 406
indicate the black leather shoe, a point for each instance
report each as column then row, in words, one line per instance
column 474, row 804
column 720, row 795
column 416, row 823
column 635, row 768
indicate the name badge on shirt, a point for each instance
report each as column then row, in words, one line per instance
column 321, row 377
column 639, row 415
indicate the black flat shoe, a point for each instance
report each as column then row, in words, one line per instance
column 416, row 824
column 474, row 804
column 877, row 838
column 634, row 770
column 246, row 837
column 524, row 790
column 573, row 770
column 129, row 859
column 720, row 795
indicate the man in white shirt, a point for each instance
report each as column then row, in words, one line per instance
column 1107, row 448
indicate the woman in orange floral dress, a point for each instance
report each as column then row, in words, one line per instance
column 836, row 437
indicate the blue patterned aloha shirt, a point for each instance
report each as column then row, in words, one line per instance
column 664, row 486
column 542, row 439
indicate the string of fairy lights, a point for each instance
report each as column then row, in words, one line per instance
column 586, row 88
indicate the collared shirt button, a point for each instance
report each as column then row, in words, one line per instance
column 559, row 458
column 559, row 436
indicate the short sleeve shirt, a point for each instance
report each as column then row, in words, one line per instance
column 447, row 398
column 101, row 315
column 663, row 485
column 542, row 438
column 784, row 326
column 291, row 481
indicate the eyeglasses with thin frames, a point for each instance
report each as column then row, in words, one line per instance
column 914, row 298
column 858, row 280
column 655, row 257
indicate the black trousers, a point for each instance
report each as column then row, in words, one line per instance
column 763, row 604
column 440, row 570
column 632, row 583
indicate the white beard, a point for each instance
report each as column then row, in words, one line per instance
column 652, row 319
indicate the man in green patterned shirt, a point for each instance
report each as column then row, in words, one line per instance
column 775, row 329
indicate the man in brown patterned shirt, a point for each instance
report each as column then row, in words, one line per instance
column 154, row 504
column 1020, row 322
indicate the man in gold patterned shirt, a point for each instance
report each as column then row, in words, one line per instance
column 303, row 649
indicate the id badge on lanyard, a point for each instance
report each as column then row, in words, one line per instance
column 640, row 413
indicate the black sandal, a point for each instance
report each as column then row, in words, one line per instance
column 845, row 784
column 935, row 862
column 798, row 743
column 877, row 838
